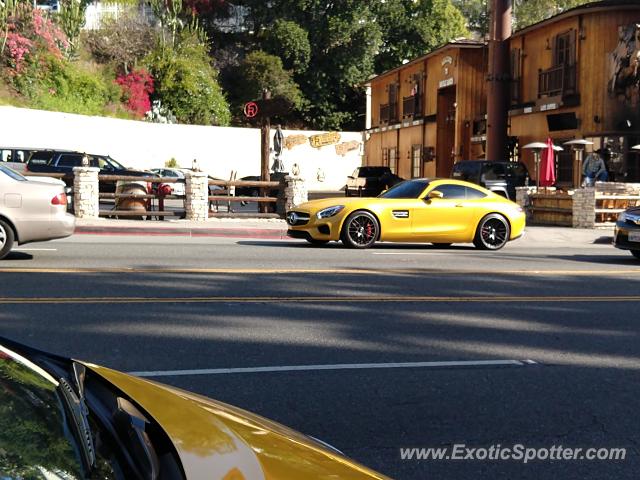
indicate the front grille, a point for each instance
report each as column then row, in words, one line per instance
column 297, row 218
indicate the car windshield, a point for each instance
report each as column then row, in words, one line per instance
column 408, row 189
column 372, row 171
column 12, row 174
column 35, row 441
column 114, row 163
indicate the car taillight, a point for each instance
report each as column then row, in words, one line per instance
column 60, row 199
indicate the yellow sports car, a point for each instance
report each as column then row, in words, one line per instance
column 67, row 419
column 438, row 211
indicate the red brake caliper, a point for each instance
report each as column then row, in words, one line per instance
column 369, row 230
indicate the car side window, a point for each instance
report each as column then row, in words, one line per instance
column 5, row 156
column 451, row 191
column 493, row 171
column 466, row 170
column 40, row 158
column 474, row 194
column 70, row 160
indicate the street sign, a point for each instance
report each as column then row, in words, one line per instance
column 251, row 109
column 269, row 107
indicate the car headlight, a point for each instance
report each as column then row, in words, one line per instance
column 329, row 212
column 622, row 217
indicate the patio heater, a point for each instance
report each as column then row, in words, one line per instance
column 578, row 146
column 537, row 148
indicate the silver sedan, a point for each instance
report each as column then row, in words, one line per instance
column 31, row 211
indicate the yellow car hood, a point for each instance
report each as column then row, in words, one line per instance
column 217, row 441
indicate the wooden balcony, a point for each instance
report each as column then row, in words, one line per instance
column 389, row 113
column 411, row 106
column 560, row 80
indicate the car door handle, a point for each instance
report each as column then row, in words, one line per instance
column 459, row 205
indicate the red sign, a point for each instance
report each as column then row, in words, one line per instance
column 250, row 109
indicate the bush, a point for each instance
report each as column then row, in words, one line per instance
column 136, row 87
column 186, row 82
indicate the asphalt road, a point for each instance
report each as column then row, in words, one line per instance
column 371, row 351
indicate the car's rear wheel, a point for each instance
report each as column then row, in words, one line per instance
column 636, row 253
column 314, row 241
column 6, row 239
column 492, row 233
column 360, row 230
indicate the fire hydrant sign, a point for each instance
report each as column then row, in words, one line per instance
column 250, row 109
column 324, row 139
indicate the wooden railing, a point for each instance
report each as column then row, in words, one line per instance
column 411, row 106
column 560, row 80
column 388, row 113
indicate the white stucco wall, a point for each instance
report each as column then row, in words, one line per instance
column 135, row 144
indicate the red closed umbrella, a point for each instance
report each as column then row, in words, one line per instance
column 548, row 165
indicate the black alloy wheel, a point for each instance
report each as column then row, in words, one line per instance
column 360, row 230
column 492, row 233
column 6, row 239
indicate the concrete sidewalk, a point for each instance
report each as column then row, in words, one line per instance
column 277, row 229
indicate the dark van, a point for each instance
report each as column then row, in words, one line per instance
column 499, row 177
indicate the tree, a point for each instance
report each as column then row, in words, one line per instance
column 261, row 71
column 528, row 12
column 413, row 28
column 476, row 12
column 290, row 42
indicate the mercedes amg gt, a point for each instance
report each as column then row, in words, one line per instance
column 438, row 211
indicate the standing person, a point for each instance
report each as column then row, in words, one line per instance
column 594, row 169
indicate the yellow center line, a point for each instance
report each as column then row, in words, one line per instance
column 322, row 299
column 321, row 271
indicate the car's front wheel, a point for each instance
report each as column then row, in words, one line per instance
column 493, row 232
column 6, row 239
column 636, row 253
column 360, row 230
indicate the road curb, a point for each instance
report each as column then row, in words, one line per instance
column 264, row 233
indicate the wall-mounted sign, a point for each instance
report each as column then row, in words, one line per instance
column 324, row 139
column 447, row 60
column 345, row 147
column 445, row 83
column 251, row 109
column 294, row 140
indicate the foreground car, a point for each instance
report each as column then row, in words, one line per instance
column 62, row 418
column 31, row 211
column 438, row 211
column 627, row 232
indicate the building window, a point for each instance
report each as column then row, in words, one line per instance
column 416, row 161
column 516, row 73
column 561, row 78
column 385, row 157
column 393, row 160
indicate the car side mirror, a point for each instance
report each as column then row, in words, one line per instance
column 435, row 194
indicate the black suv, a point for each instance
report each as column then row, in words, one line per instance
column 370, row 181
column 63, row 161
column 499, row 177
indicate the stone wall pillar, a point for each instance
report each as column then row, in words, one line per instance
column 196, row 202
column 86, row 201
column 584, row 208
column 295, row 192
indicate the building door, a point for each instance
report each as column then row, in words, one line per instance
column 446, row 119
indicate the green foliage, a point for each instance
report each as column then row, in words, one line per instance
column 187, row 83
column 528, row 12
column 261, row 71
column 290, row 42
column 71, row 19
column 172, row 163
column 476, row 13
column 168, row 13
column 412, row 28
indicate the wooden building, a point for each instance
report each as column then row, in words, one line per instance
column 575, row 75
column 424, row 114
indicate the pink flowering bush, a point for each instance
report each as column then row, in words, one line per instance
column 18, row 49
column 49, row 34
column 137, row 86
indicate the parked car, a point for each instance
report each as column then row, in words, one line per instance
column 15, row 157
column 63, row 161
column 255, row 191
column 31, row 211
column 499, row 177
column 177, row 188
column 370, row 181
column 438, row 211
column 80, row 420
column 626, row 235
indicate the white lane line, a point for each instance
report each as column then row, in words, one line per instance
column 35, row 250
column 338, row 366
